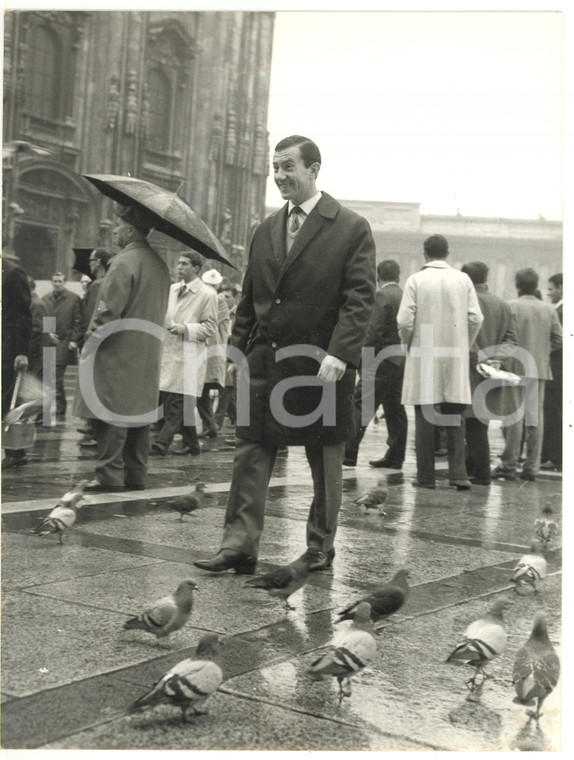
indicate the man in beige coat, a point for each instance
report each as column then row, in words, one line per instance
column 438, row 319
column 191, row 319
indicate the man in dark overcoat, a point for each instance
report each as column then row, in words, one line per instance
column 301, row 322
column 119, row 369
column 66, row 308
column 384, row 385
column 16, row 334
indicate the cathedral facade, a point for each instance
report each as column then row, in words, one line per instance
column 176, row 98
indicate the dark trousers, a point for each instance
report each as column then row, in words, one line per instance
column 425, row 444
column 226, row 406
column 477, row 448
column 61, row 401
column 552, row 439
column 205, row 409
column 252, row 469
column 122, row 454
column 386, row 390
column 177, row 408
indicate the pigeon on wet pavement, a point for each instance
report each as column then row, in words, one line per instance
column 168, row 614
column 530, row 569
column 536, row 667
column 374, row 500
column 350, row 652
column 284, row 581
column 385, row 601
column 190, row 683
column 545, row 527
column 189, row 503
column 64, row 514
column 483, row 640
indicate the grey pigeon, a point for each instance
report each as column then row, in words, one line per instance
column 64, row 514
column 530, row 568
column 168, row 614
column 384, row 601
column 285, row 581
column 190, row 683
column 350, row 652
column 187, row 504
column 536, row 667
column 545, row 527
column 483, row 640
column 374, row 499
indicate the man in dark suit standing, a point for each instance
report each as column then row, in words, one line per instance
column 301, row 322
column 66, row 308
column 16, row 334
column 552, row 442
column 386, row 386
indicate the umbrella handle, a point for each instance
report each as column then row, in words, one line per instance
column 16, row 389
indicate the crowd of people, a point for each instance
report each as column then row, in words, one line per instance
column 321, row 347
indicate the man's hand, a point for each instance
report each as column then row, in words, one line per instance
column 176, row 329
column 72, row 344
column 20, row 363
column 54, row 339
column 231, row 372
column 332, row 369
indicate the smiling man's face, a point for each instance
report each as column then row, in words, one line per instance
column 296, row 182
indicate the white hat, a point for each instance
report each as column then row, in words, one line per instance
column 212, row 277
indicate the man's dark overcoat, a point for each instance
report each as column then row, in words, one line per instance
column 320, row 295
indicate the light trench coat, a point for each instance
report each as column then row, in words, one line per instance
column 441, row 299
column 197, row 311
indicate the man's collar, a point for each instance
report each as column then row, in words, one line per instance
column 559, row 304
column 386, row 284
column 193, row 285
column 307, row 206
column 480, row 286
column 438, row 263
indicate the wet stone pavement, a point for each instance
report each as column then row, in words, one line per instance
column 70, row 670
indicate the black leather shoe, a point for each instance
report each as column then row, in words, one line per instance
column 348, row 462
column 95, row 486
column 208, row 434
column 384, row 462
column 461, row 485
column 480, row 481
column 319, row 560
column 417, row 484
column 186, row 450
column 227, row 559
column 525, row 475
column 134, row 487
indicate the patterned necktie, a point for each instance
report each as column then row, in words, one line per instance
column 296, row 219
column 182, row 290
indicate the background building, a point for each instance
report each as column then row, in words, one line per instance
column 176, row 98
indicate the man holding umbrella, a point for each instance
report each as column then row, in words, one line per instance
column 120, row 362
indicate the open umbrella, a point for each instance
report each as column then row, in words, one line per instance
column 81, row 263
column 168, row 212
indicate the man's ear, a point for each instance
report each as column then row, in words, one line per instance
column 314, row 169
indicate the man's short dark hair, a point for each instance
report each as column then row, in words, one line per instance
column 195, row 258
column 388, row 270
column 556, row 280
column 477, row 271
column 103, row 256
column 310, row 153
column 526, row 281
column 436, row 247
column 59, row 274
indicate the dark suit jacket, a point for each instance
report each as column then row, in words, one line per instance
column 321, row 296
column 68, row 313
column 16, row 325
column 383, row 330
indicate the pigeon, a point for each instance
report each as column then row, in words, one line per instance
column 349, row 654
column 483, row 640
column 189, row 683
column 545, row 527
column 64, row 514
column 374, row 500
column 285, row 581
column 187, row 504
column 384, row 601
column 168, row 614
column 536, row 667
column 530, row 568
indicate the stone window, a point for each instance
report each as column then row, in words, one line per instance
column 45, row 69
column 160, row 109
